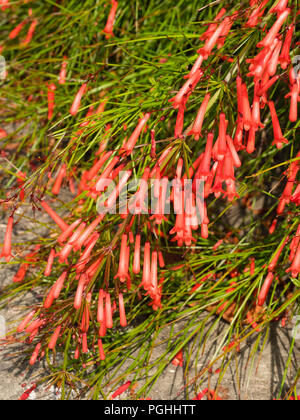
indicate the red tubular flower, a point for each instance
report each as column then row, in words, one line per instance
column 76, row 104
column 218, row 244
column 295, row 267
column 6, row 251
column 256, row 113
column 161, row 260
column 197, row 65
column 103, row 329
column 273, row 226
column 278, row 137
column 61, row 224
column 87, row 120
column 204, row 168
column 260, row 62
column 51, row 97
column 294, row 244
column 115, row 173
column 213, row 26
column 79, row 292
column 3, row 133
column 162, row 161
column 153, row 144
column 294, row 77
column 65, row 252
column 187, row 232
column 101, row 350
column 108, row 311
column 251, row 140
column 49, row 263
column 100, row 310
column 15, row 32
column 63, row 71
column 21, row 178
column 65, row 234
column 4, row 4
column 221, row 149
column 111, row 19
column 275, row 259
column 21, row 327
column 269, row 38
column 252, row 266
column 137, row 205
column 159, row 214
column 37, row 323
column 212, row 40
column 116, row 192
column 54, row 338
column 98, row 165
column 121, row 390
column 179, row 227
column 59, row 179
column 35, row 354
column 279, row 7
column 238, row 138
column 228, row 167
column 217, row 188
column 226, row 29
column 246, row 110
column 295, row 98
column 136, row 268
column 256, row 14
column 210, row 180
column 27, row 393
column 287, row 193
column 178, row 360
column 273, row 63
column 123, row 321
column 101, row 108
column 146, row 280
column 264, row 88
column 88, row 231
column 235, row 157
column 179, row 168
column 284, row 58
column 123, row 263
column 58, row 285
column 85, row 257
column 239, row 89
column 20, row 275
column 201, row 395
column 231, row 190
column 176, row 195
column 153, row 271
column 265, row 289
column 186, row 89
column 131, row 142
column 84, row 347
column 197, row 127
column 49, row 299
column 85, row 320
column 30, row 32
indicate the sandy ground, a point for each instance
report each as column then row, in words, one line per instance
column 246, row 378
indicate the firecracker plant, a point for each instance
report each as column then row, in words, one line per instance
column 105, row 104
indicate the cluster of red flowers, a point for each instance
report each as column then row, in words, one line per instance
column 212, row 169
